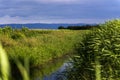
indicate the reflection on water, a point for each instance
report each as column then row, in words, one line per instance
column 50, row 71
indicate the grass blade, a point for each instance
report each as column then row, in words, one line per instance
column 4, row 64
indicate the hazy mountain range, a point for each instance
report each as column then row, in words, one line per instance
column 40, row 25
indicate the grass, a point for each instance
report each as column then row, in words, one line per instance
column 46, row 70
column 4, row 65
column 30, row 48
column 39, row 46
column 5, row 68
column 97, row 59
column 98, row 54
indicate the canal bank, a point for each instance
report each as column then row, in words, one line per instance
column 51, row 70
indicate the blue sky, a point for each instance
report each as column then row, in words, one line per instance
column 58, row 11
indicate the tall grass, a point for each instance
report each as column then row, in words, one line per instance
column 4, row 65
column 98, row 54
column 5, row 68
column 39, row 46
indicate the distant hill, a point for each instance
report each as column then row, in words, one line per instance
column 40, row 25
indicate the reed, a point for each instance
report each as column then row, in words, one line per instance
column 4, row 65
column 98, row 54
column 5, row 68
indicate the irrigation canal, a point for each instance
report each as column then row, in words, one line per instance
column 52, row 70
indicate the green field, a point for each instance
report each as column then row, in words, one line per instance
column 27, row 48
column 39, row 46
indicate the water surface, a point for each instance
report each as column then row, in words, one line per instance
column 51, row 70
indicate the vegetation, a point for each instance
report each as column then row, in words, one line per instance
column 5, row 68
column 30, row 48
column 4, row 65
column 98, row 54
column 82, row 27
column 38, row 45
column 46, row 70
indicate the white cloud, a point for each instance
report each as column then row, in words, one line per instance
column 46, row 1
column 53, row 1
column 34, row 19
column 56, row 0
column 8, row 20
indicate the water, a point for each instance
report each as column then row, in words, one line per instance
column 55, row 75
column 51, row 71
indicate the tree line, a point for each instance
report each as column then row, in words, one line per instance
column 82, row 27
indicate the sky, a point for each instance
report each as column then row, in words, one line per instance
column 58, row 11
